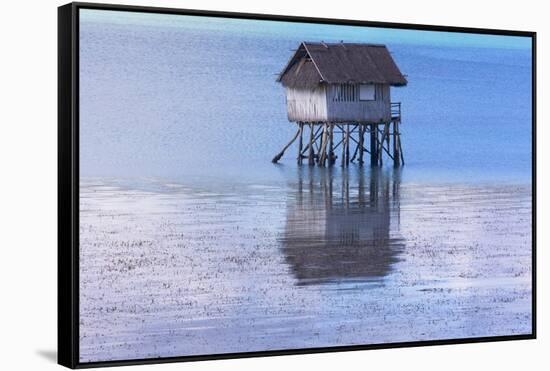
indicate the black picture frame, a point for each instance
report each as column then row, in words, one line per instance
column 68, row 182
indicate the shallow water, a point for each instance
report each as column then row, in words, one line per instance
column 193, row 242
column 172, row 269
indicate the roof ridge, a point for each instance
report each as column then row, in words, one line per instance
column 343, row 43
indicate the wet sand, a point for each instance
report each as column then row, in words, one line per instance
column 173, row 269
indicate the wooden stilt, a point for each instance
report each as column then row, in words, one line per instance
column 380, row 142
column 373, row 145
column 323, row 151
column 343, row 147
column 280, row 154
column 361, row 143
column 311, row 160
column 396, row 143
column 347, row 145
column 388, row 137
column 331, row 158
column 381, row 145
column 355, row 151
column 300, row 143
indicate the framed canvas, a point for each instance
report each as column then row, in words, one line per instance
column 236, row 185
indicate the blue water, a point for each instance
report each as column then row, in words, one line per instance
column 177, row 101
column 203, row 246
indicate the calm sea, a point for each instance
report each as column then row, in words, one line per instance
column 200, row 100
column 193, row 242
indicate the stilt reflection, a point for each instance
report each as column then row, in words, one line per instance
column 342, row 224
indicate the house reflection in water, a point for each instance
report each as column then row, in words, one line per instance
column 342, row 225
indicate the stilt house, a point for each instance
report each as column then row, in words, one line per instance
column 343, row 87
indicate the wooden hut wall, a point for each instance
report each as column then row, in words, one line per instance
column 307, row 105
column 354, row 109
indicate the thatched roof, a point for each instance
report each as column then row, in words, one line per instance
column 315, row 63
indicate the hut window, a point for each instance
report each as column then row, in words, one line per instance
column 345, row 93
column 367, row 92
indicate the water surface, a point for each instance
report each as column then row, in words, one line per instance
column 169, row 270
column 192, row 242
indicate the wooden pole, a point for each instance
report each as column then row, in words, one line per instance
column 361, row 143
column 355, row 151
column 331, row 146
column 323, row 151
column 311, row 160
column 347, row 145
column 396, row 144
column 373, row 145
column 343, row 147
column 280, row 154
column 300, row 143
column 388, row 137
column 380, row 147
